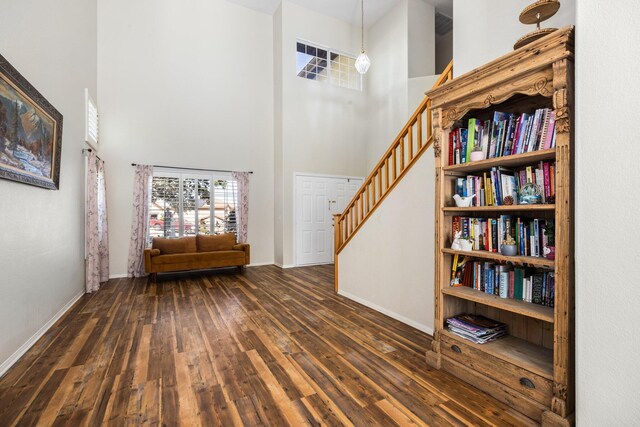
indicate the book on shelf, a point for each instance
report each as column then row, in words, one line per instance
column 500, row 186
column 506, row 134
column 530, row 285
column 488, row 234
column 476, row 328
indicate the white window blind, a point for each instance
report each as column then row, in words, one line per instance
column 91, row 121
column 184, row 204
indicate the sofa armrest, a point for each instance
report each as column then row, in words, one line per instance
column 246, row 248
column 148, row 253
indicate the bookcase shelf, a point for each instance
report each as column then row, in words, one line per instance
column 533, row 358
column 506, row 161
column 532, row 261
column 528, row 309
column 532, row 369
column 511, row 208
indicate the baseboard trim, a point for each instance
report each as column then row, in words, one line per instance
column 259, row 264
column 117, row 276
column 4, row 367
column 419, row 326
column 284, row 265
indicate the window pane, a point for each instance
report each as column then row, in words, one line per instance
column 188, row 206
column 204, row 206
column 174, row 213
column 315, row 63
column 225, row 206
column 165, row 203
column 302, row 61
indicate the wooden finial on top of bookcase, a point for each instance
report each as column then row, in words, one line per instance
column 536, row 13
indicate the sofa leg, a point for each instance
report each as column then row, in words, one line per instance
column 241, row 269
column 153, row 277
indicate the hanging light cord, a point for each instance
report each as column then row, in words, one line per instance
column 362, row 28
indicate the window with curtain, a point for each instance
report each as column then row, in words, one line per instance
column 184, row 204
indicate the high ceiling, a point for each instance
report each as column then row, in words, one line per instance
column 345, row 10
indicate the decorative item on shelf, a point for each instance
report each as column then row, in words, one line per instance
column 508, row 200
column 460, row 243
column 508, row 246
column 550, row 232
column 463, row 202
column 477, row 154
column 530, row 194
column 457, row 268
column 535, row 13
column 362, row 62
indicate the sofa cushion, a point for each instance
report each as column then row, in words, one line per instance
column 202, row 259
column 217, row 242
column 174, row 246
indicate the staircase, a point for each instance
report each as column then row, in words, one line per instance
column 412, row 141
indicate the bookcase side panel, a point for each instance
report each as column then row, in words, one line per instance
column 433, row 356
column 562, row 403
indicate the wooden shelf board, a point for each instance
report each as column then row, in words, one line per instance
column 519, row 260
column 510, row 208
column 506, row 161
column 533, row 358
column 514, row 306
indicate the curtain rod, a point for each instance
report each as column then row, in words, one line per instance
column 190, row 169
column 84, row 150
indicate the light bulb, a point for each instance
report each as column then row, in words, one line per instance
column 362, row 63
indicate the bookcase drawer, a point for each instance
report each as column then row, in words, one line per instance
column 525, row 382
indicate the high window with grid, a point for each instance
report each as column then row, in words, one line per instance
column 322, row 64
column 184, row 204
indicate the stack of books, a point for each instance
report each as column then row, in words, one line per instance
column 505, row 135
column 501, row 186
column 476, row 328
column 536, row 286
column 488, row 234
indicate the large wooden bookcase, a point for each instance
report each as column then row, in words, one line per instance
column 532, row 369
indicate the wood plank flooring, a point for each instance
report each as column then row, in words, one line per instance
column 270, row 347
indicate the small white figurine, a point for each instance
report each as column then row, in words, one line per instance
column 463, row 202
column 460, row 244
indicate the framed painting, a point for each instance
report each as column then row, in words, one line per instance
column 30, row 132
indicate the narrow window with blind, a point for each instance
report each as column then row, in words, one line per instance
column 185, row 204
column 91, row 121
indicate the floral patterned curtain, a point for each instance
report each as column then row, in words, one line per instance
column 96, row 230
column 242, row 178
column 139, row 220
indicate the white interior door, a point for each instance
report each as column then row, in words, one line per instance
column 318, row 198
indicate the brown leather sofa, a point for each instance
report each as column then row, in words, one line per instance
column 195, row 253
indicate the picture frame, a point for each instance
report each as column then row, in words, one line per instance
column 30, row 132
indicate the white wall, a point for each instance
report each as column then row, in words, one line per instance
column 444, row 51
column 421, row 22
column 484, row 30
column 186, row 84
column 607, row 207
column 417, row 86
column 278, row 183
column 386, row 81
column 52, row 44
column 322, row 124
column 388, row 264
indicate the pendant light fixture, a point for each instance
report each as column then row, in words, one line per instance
column 363, row 62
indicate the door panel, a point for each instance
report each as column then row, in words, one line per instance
column 317, row 199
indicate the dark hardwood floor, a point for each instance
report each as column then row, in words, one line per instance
column 270, row 347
